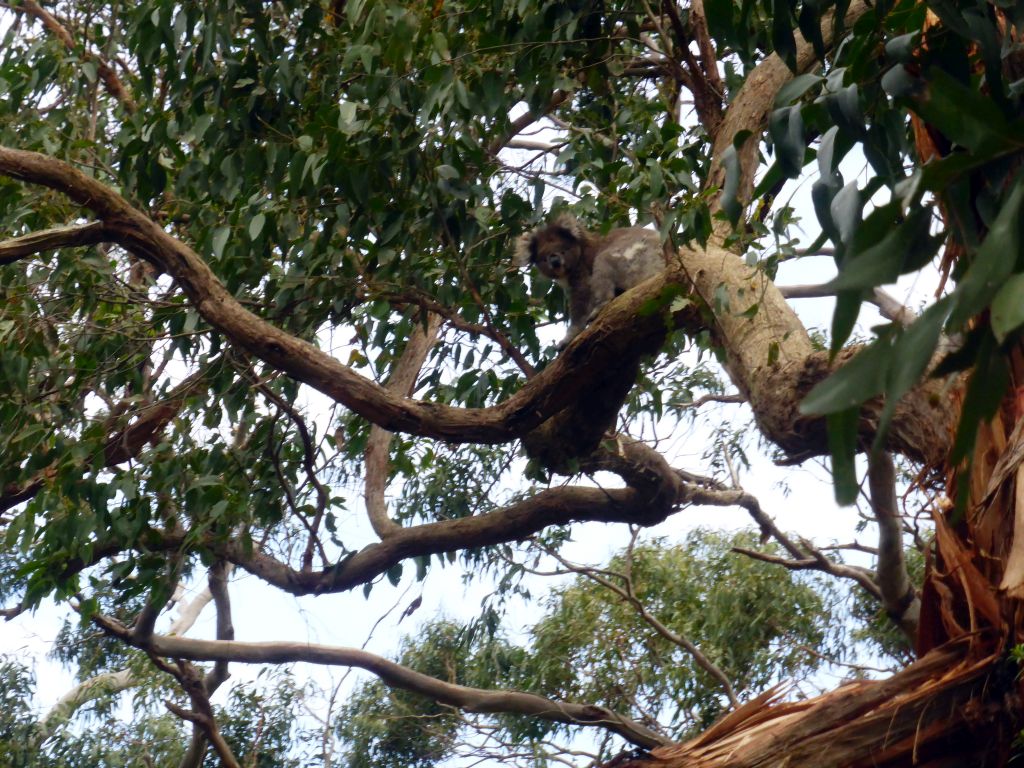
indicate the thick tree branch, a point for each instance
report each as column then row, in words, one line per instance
column 556, row 506
column 559, row 385
column 768, row 352
column 396, row 676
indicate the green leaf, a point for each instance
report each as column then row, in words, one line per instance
column 842, row 446
column 905, row 247
column 965, row 115
column 786, row 128
column 796, row 88
column 782, row 32
column 256, row 225
column 394, row 574
column 730, row 203
column 860, row 379
column 984, row 393
column 911, row 355
column 844, row 318
column 995, row 260
column 1008, row 308
column 447, row 172
column 219, row 240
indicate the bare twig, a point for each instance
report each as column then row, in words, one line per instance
column 888, row 307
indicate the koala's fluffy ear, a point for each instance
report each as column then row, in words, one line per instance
column 569, row 223
column 521, row 254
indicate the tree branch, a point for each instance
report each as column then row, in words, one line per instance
column 49, row 239
column 106, row 73
column 899, row 598
column 561, row 384
column 396, row 676
column 769, row 354
column 375, row 458
column 888, row 307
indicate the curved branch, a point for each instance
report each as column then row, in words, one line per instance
column 561, row 384
column 395, row 675
column 556, row 506
column 768, row 352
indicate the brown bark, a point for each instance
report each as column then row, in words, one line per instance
column 948, row 709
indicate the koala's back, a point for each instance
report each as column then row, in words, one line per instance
column 628, row 256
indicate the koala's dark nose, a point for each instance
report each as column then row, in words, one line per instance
column 555, row 262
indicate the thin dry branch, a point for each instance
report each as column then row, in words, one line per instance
column 525, row 120
column 628, row 595
column 802, row 556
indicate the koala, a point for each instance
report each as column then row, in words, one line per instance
column 592, row 269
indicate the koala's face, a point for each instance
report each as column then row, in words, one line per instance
column 555, row 252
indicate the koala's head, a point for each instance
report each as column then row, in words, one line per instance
column 554, row 248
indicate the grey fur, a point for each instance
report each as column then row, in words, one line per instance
column 591, row 269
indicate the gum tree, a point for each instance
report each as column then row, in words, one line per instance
column 211, row 210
